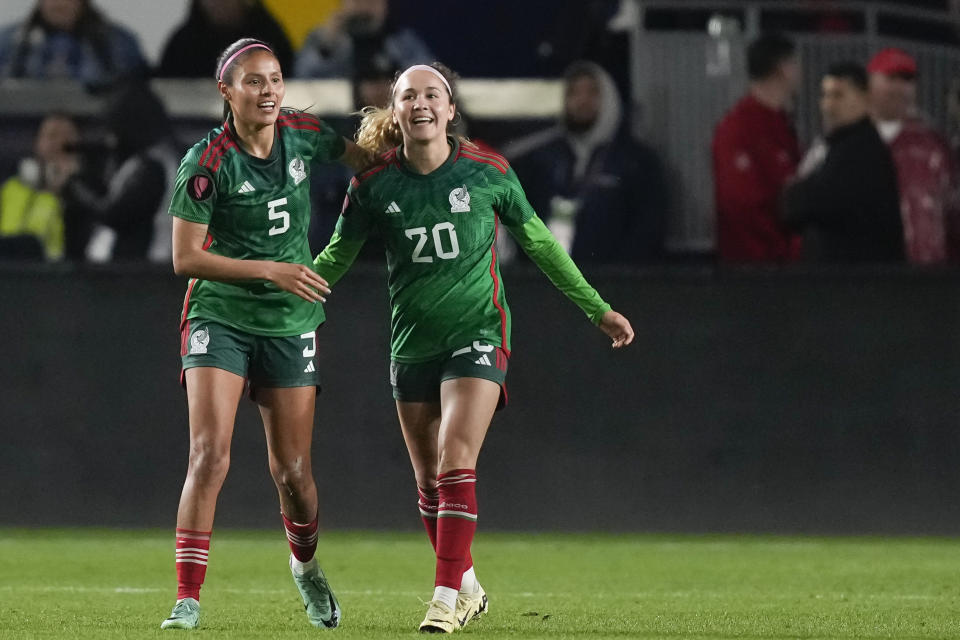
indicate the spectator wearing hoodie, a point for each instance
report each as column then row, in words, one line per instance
column 600, row 190
column 72, row 40
column 211, row 26
column 925, row 169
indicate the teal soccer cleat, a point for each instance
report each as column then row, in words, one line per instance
column 322, row 607
column 185, row 615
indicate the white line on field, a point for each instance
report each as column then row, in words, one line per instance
column 516, row 594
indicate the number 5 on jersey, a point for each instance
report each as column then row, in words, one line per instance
column 420, row 235
column 283, row 216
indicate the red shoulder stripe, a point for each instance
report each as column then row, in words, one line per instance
column 299, row 119
column 489, row 154
column 496, row 282
column 213, row 162
column 302, row 126
column 369, row 173
column 495, row 157
column 389, row 158
column 213, row 143
column 220, row 155
column 298, row 116
column 490, row 161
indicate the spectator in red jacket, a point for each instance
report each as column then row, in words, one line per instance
column 925, row 168
column 755, row 152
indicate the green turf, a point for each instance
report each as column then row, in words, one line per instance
column 78, row 584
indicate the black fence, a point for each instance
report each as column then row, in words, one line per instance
column 751, row 401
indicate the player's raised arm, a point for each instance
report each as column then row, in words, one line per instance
column 537, row 242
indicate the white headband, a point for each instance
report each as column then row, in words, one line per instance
column 426, row 67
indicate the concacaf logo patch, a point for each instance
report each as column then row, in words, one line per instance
column 297, row 170
column 460, row 200
column 199, row 341
column 199, row 188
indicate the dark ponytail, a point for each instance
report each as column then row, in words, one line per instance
column 227, row 63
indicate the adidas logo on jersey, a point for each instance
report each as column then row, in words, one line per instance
column 483, row 360
column 393, row 208
column 310, row 368
column 246, row 187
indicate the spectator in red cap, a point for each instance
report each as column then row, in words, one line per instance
column 755, row 153
column 925, row 169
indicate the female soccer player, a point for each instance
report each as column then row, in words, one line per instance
column 438, row 202
column 241, row 210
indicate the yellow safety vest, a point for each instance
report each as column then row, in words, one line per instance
column 28, row 211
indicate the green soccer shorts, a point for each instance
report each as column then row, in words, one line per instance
column 265, row 361
column 420, row 381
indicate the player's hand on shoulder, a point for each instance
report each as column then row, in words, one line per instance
column 299, row 280
column 617, row 327
column 359, row 158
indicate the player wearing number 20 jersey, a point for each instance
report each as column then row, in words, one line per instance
column 440, row 234
column 255, row 209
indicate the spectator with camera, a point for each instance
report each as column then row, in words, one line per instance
column 69, row 39
column 755, row 152
column 31, row 211
column 846, row 202
column 122, row 213
column 359, row 36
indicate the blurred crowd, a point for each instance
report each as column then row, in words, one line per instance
column 879, row 184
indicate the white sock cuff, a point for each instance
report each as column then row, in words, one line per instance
column 301, row 568
column 469, row 582
column 446, row 595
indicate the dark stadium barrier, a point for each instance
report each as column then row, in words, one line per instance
column 769, row 401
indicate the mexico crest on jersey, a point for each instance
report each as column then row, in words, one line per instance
column 460, row 200
column 199, row 341
column 297, row 170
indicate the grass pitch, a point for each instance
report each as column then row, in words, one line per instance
column 82, row 583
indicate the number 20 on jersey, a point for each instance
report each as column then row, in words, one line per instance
column 422, row 236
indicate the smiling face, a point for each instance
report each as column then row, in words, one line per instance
column 254, row 89
column 422, row 107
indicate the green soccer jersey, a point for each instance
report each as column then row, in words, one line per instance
column 440, row 234
column 255, row 209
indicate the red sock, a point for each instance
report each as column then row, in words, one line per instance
column 302, row 538
column 456, row 523
column 193, row 547
column 428, row 502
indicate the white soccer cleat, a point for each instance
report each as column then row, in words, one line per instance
column 440, row 618
column 471, row 605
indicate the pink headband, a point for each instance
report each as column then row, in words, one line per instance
column 426, row 67
column 233, row 57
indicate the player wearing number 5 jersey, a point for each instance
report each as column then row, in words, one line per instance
column 439, row 203
column 241, row 210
